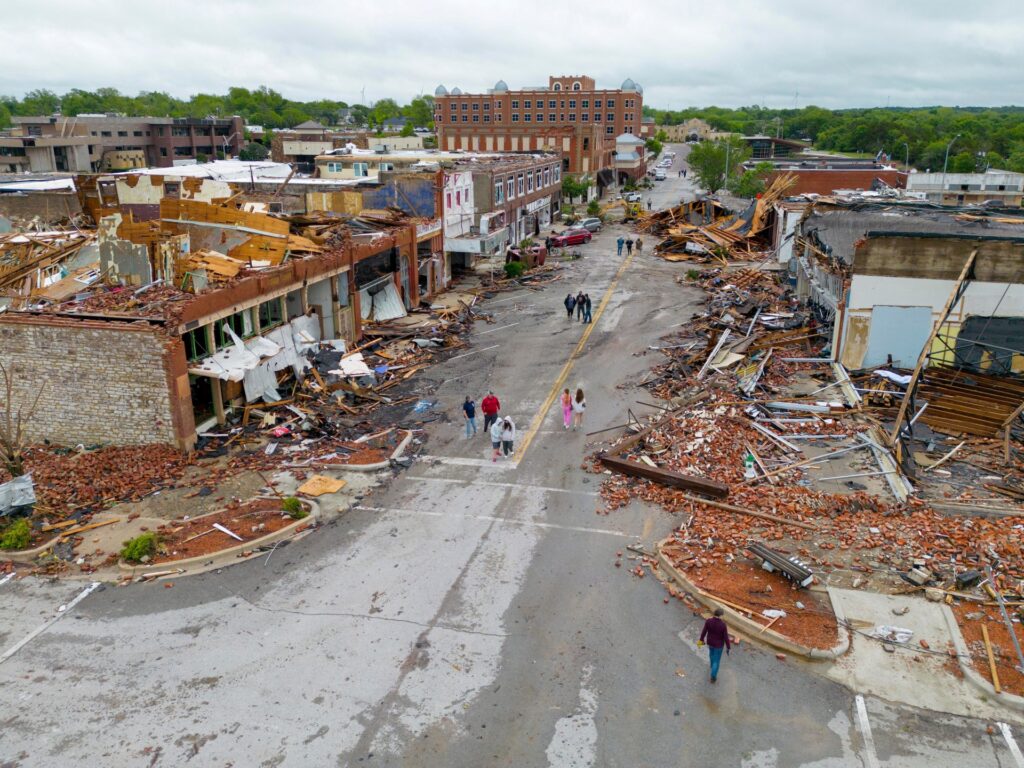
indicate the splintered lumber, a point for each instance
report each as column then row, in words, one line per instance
column 667, row 477
column 89, row 527
column 632, row 440
column 991, row 659
column 750, row 512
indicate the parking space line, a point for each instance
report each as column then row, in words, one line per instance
column 495, row 519
column 467, row 354
column 1018, row 758
column 870, row 758
column 6, row 578
column 499, row 328
column 459, row 461
column 494, row 484
column 39, row 630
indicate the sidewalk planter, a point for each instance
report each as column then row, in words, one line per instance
column 971, row 675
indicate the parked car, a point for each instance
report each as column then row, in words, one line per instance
column 634, row 197
column 571, row 237
column 591, row 225
column 659, row 175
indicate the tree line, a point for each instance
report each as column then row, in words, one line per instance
column 989, row 137
column 261, row 106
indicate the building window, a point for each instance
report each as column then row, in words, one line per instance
column 134, row 133
column 122, row 133
column 557, row 87
column 557, row 173
column 499, row 190
column 527, row 117
column 105, row 133
column 597, row 117
column 611, row 117
column 387, row 166
column 452, row 106
column 458, row 197
column 271, row 314
column 586, row 104
column 529, row 183
column 585, row 117
column 515, row 103
column 196, row 346
column 465, row 118
column 527, row 104
column 521, row 185
column 360, row 169
column 497, row 117
column 163, row 151
column 586, row 143
column 94, row 133
column 576, row 85
column 487, row 106
column 551, row 117
column 240, row 323
column 562, row 104
column 179, row 131
column 465, row 106
column 487, row 118
column 497, row 105
column 511, row 188
column 610, row 129
column 610, row 103
column 572, row 103
column 476, row 118
column 540, row 117
column 597, row 103
column 547, row 177
column 438, row 118
column 476, row 106
column 448, row 201
column 552, row 104
column 561, row 117
column 537, row 178
column 572, row 117
column 515, row 117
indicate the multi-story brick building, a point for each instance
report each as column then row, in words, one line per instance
column 570, row 116
column 117, row 142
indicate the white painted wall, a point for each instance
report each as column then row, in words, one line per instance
column 867, row 291
column 458, row 202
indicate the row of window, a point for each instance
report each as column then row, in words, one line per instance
column 528, row 104
column 553, row 117
column 119, row 133
column 271, row 315
column 359, row 170
column 525, row 183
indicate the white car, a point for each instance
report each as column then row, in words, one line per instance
column 659, row 175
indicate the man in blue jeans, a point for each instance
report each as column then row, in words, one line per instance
column 469, row 411
column 717, row 635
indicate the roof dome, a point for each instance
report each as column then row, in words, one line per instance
column 440, row 91
column 501, row 85
column 639, row 88
column 627, row 85
column 456, row 91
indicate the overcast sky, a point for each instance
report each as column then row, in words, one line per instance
column 684, row 53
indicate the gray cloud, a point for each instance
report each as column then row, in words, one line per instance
column 914, row 52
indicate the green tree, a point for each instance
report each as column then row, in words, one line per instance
column 573, row 188
column 253, row 151
column 408, row 130
column 39, row 102
column 5, row 115
column 712, row 161
column 385, row 109
column 751, row 183
column 420, row 111
column 654, row 146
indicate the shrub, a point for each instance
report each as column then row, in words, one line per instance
column 293, row 508
column 16, row 535
column 514, row 269
column 593, row 208
column 142, row 545
column 692, row 274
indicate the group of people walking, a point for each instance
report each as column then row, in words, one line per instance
column 573, row 408
column 629, row 242
column 501, row 428
column 581, row 304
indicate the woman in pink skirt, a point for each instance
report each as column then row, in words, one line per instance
column 566, row 408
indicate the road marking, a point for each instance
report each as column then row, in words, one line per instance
column 467, row 354
column 499, row 328
column 538, row 420
column 458, row 461
column 6, row 578
column 870, row 758
column 1012, row 744
column 494, row 519
column 495, row 484
column 39, row 630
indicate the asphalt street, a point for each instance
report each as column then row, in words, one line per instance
column 467, row 613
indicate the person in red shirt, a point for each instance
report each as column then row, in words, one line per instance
column 490, row 406
column 717, row 635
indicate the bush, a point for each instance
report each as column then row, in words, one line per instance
column 692, row 274
column 16, row 535
column 293, row 508
column 142, row 545
column 593, row 208
column 514, row 269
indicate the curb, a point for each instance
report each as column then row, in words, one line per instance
column 751, row 628
column 26, row 556
column 224, row 557
column 971, row 675
column 397, row 453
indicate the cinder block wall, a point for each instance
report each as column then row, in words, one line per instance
column 102, row 382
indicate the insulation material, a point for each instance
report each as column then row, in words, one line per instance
column 353, row 365
column 261, row 382
column 231, row 364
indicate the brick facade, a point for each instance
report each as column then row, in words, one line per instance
column 102, row 382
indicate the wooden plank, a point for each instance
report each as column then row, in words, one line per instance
column 666, row 477
column 991, row 659
column 750, row 512
column 89, row 527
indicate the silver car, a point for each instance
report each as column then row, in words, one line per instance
column 591, row 225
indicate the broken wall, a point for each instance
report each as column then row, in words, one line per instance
column 100, row 382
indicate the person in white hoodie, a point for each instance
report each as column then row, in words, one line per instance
column 496, row 429
column 579, row 407
column 508, row 436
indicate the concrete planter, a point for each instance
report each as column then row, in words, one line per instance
column 751, row 629
column 971, row 675
column 375, row 467
column 224, row 557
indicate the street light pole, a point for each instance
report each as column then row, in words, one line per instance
column 945, row 163
column 907, row 164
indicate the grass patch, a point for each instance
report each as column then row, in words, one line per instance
column 141, row 546
column 293, row 508
column 16, row 535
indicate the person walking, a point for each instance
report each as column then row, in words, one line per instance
column 639, row 245
column 496, row 429
column 587, row 307
column 620, row 242
column 579, row 405
column 469, row 411
column 566, row 408
column 570, row 304
column 508, row 436
column 648, row 205
column 490, row 406
column 717, row 635
column 580, row 305
column 629, row 246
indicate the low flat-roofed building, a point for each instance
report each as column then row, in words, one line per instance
column 1001, row 187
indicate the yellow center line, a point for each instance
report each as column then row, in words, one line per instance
column 538, row 419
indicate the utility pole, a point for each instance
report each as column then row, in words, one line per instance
column 942, row 192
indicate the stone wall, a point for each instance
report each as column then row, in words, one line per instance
column 102, row 382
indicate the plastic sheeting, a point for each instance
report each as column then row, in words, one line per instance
column 230, row 364
column 353, row 365
column 19, row 492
